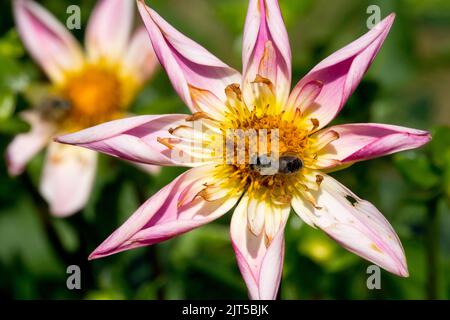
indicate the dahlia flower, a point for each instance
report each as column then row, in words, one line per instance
column 260, row 100
column 87, row 88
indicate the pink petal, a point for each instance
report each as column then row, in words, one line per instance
column 132, row 139
column 67, row 179
column 363, row 141
column 260, row 264
column 148, row 168
column 338, row 75
column 140, row 59
column 175, row 209
column 186, row 62
column 266, row 50
column 26, row 145
column 47, row 40
column 109, row 28
column 207, row 102
column 355, row 224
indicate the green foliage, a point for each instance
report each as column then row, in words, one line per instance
column 14, row 77
column 429, row 168
column 407, row 85
column 416, row 167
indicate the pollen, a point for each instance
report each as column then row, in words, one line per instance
column 254, row 129
column 256, row 146
column 95, row 95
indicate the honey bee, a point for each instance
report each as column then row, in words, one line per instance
column 54, row 107
column 287, row 164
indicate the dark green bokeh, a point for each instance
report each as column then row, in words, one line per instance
column 407, row 85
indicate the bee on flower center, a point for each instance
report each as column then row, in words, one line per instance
column 290, row 164
column 286, row 164
column 54, row 107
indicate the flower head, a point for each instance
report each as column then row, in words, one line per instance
column 255, row 145
column 86, row 88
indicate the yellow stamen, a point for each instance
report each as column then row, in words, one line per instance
column 96, row 93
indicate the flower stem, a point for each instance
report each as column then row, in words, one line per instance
column 80, row 257
column 432, row 249
column 153, row 255
column 45, row 220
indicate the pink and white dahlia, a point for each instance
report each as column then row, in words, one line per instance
column 260, row 100
column 87, row 88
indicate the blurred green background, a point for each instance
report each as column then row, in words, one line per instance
column 407, row 85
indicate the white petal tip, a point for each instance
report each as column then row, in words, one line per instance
column 388, row 21
column 63, row 212
column 392, row 15
column 93, row 256
column 65, row 139
column 403, row 272
column 13, row 170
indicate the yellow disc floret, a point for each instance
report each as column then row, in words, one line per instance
column 95, row 93
column 268, row 152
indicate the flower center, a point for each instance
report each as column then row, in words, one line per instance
column 262, row 149
column 94, row 95
column 268, row 147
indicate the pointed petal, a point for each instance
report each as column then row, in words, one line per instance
column 140, row 59
column 363, row 141
column 47, row 40
column 206, row 101
column 266, row 50
column 133, row 139
column 186, row 62
column 67, row 179
column 260, row 261
column 339, row 74
column 355, row 224
column 109, row 28
column 26, row 145
column 174, row 210
column 255, row 216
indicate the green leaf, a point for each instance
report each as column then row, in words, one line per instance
column 13, row 76
column 322, row 250
column 67, row 234
column 10, row 45
column 104, row 295
column 13, row 126
column 22, row 236
column 440, row 146
column 416, row 168
column 128, row 201
column 446, row 182
column 7, row 104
